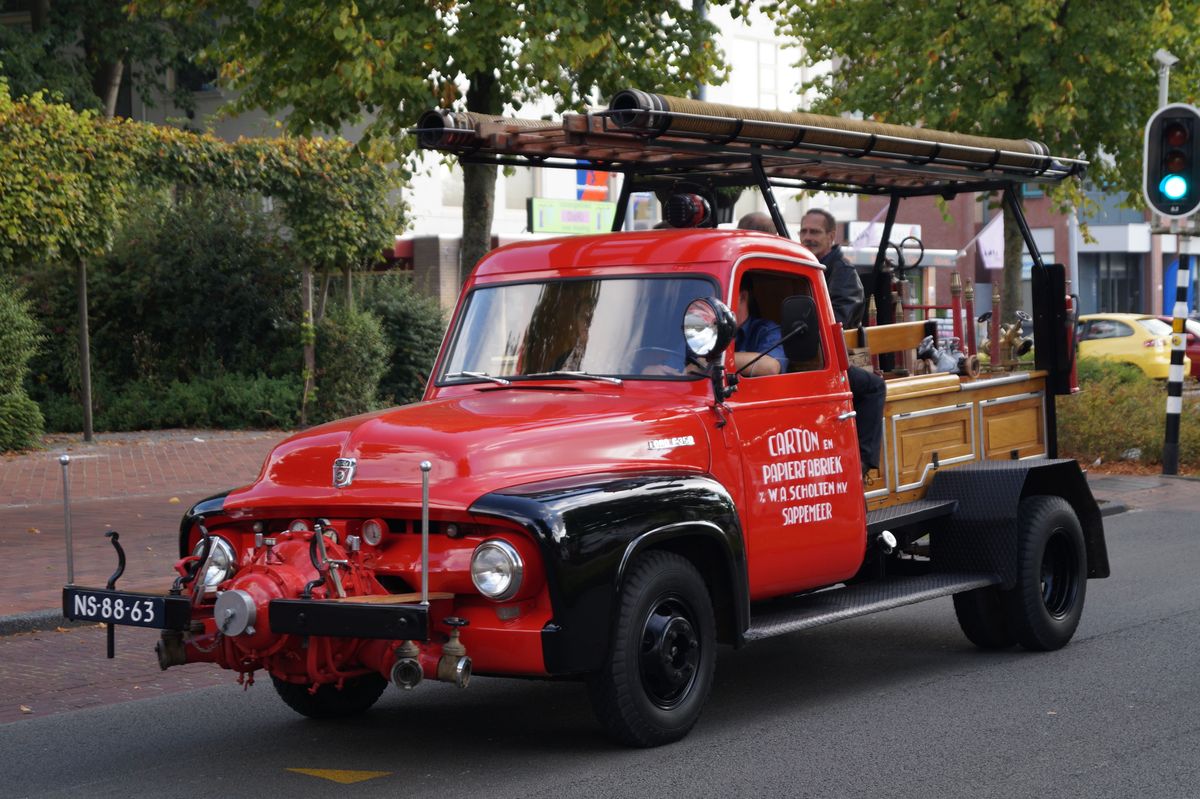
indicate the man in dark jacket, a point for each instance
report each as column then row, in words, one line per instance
column 818, row 232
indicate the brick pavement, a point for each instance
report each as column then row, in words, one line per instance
column 138, row 484
column 57, row 671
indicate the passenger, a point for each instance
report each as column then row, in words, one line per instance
column 755, row 336
column 757, row 220
column 818, row 232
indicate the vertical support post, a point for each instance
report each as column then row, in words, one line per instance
column 85, row 351
column 65, row 460
column 969, row 300
column 956, row 291
column 425, row 467
column 618, row 222
column 1183, row 277
column 764, row 185
column 994, row 330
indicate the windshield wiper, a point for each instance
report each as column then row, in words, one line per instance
column 616, row 381
column 500, row 381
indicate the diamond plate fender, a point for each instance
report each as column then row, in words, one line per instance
column 982, row 533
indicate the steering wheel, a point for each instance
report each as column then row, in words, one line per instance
column 646, row 357
column 899, row 248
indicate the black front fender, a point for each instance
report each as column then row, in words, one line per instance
column 590, row 529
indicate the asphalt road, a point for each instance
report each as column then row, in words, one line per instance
column 894, row 705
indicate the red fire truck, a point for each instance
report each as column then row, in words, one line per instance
column 590, row 490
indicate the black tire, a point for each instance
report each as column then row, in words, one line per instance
column 659, row 669
column 982, row 617
column 1046, row 604
column 356, row 696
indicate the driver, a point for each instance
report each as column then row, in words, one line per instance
column 756, row 335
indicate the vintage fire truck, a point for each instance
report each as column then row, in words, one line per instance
column 590, row 490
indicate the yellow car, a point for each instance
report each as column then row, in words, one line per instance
column 1138, row 339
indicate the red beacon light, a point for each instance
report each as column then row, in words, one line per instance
column 687, row 211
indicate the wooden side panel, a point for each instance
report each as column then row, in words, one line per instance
column 960, row 421
column 945, row 435
column 1013, row 424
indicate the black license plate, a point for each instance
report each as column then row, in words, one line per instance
column 125, row 607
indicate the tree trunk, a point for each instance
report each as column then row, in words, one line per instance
column 479, row 181
column 85, row 358
column 1010, row 301
column 348, row 286
column 308, row 334
column 39, row 15
column 107, row 85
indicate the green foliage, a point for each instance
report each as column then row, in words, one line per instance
column 412, row 327
column 351, row 359
column 20, row 421
column 76, row 48
column 229, row 401
column 1120, row 409
column 19, row 336
column 326, row 63
column 1078, row 76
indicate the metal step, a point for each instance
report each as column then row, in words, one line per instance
column 837, row 604
column 896, row 516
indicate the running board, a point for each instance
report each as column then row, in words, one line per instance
column 897, row 516
column 838, row 604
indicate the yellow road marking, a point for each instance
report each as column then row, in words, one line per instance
column 343, row 776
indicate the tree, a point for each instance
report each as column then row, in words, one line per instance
column 328, row 63
column 80, row 50
column 1077, row 76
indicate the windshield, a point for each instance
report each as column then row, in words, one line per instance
column 617, row 327
column 1156, row 327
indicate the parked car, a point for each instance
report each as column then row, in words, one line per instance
column 1192, row 326
column 1137, row 339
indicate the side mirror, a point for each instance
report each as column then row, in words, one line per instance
column 708, row 327
column 801, row 328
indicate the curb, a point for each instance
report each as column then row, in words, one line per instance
column 36, row 620
column 1110, row 507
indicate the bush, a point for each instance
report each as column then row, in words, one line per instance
column 20, row 422
column 228, row 402
column 196, row 289
column 19, row 336
column 1120, row 409
column 351, row 358
column 412, row 325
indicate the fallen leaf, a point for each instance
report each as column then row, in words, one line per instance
column 1051, row 712
column 149, row 549
column 173, row 500
column 34, row 531
column 61, row 630
column 26, row 709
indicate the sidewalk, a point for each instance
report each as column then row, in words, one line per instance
column 141, row 483
column 136, row 483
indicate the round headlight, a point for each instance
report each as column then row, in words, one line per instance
column 221, row 561
column 372, row 531
column 497, row 569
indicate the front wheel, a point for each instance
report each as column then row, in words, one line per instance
column 356, row 696
column 1045, row 606
column 659, row 668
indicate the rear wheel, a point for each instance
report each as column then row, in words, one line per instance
column 1045, row 606
column 356, row 696
column 658, row 672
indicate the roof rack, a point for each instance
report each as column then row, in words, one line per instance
column 663, row 140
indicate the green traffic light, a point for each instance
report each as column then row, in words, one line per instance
column 1173, row 187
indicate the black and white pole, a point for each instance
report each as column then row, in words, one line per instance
column 1183, row 278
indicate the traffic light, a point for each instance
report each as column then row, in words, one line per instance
column 1171, row 160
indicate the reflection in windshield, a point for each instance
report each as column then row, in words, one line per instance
column 621, row 327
